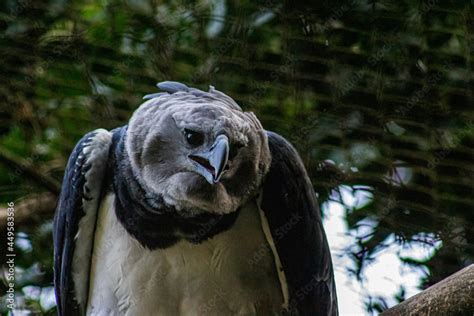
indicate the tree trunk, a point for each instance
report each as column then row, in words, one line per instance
column 451, row 296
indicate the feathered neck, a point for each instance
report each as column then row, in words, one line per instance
column 146, row 216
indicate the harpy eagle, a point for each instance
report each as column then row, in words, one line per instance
column 190, row 209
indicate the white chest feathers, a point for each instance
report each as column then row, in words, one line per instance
column 233, row 273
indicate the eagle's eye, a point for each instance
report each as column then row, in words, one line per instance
column 193, row 138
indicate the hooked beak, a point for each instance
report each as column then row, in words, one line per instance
column 212, row 163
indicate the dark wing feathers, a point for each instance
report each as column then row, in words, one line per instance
column 76, row 192
column 288, row 201
column 290, row 205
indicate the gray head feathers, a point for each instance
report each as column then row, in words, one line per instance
column 164, row 162
column 172, row 87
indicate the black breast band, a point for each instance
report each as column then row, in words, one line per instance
column 146, row 216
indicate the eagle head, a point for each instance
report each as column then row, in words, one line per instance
column 197, row 150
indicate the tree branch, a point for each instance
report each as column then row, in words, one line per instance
column 21, row 165
column 32, row 209
column 451, row 296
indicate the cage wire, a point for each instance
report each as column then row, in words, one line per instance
column 375, row 95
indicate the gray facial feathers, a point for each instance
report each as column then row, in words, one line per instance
column 160, row 154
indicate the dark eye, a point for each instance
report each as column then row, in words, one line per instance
column 193, row 138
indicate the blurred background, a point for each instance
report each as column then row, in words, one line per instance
column 377, row 96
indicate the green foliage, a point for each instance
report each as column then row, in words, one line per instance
column 382, row 88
